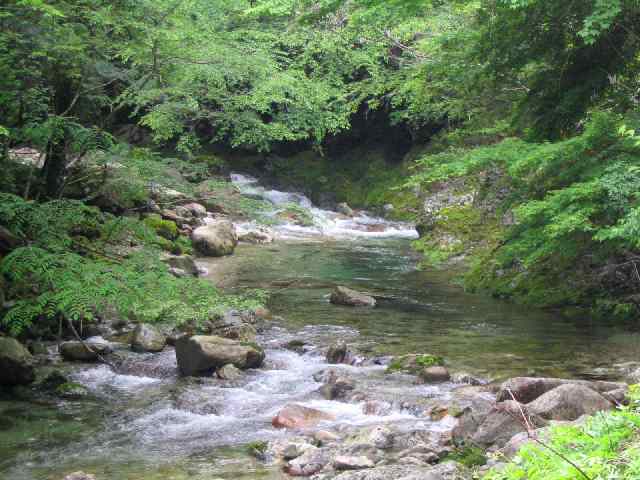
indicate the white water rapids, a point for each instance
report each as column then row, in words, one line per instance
column 326, row 223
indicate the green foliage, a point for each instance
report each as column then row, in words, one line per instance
column 414, row 363
column 468, row 456
column 165, row 228
column 606, row 446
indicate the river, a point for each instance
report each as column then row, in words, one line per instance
column 158, row 426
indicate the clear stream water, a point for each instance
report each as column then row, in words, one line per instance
column 157, row 426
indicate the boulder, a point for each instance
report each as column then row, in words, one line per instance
column 298, row 416
column 147, row 338
column 216, row 239
column 351, row 298
column 339, row 353
column 309, row 463
column 527, row 389
column 344, row 209
column 16, row 363
column 348, row 462
column 229, row 372
column 202, row 355
column 569, row 402
column 87, row 352
column 503, row 422
column 337, row 386
column 435, row 374
column 232, row 324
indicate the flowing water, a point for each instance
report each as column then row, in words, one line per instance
column 150, row 424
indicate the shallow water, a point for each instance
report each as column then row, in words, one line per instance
column 146, row 423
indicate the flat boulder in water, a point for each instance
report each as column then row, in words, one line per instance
column 298, row 416
column 16, row 363
column 146, row 338
column 351, row 298
column 215, row 240
column 202, row 355
column 83, row 352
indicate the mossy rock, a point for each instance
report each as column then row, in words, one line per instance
column 72, row 391
column 413, row 363
column 165, row 228
column 258, row 448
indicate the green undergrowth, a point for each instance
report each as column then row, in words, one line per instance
column 606, row 446
column 79, row 263
column 414, row 363
column 573, row 238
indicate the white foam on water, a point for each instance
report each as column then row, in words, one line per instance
column 326, row 223
column 102, row 376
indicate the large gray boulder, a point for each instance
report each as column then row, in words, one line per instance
column 216, row 239
column 503, row 422
column 202, row 355
column 147, row 338
column 351, row 298
column 527, row 389
column 16, row 363
column 186, row 263
column 83, row 352
column 569, row 402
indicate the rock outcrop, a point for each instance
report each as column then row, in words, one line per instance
column 203, row 355
column 16, row 363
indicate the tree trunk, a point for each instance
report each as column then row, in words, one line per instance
column 55, row 167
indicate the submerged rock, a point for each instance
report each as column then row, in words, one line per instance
column 87, row 352
column 257, row 235
column 147, row 338
column 351, row 298
column 16, row 363
column 202, row 355
column 569, row 402
column 215, row 240
column 298, row 416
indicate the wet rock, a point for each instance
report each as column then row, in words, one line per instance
column 147, row 338
column 503, row 422
column 72, row 391
column 79, row 476
column 325, row 436
column 569, row 402
column 337, row 386
column 257, row 235
column 351, row 298
column 414, row 363
column 435, row 374
column 467, row 379
column 186, row 263
column 309, row 463
column 201, row 355
column 16, row 363
column 298, row 416
column 229, row 372
column 38, row 348
column 376, row 407
column 381, row 437
column 216, row 239
column 232, row 324
column 53, row 380
column 344, row 209
column 297, row 346
column 87, row 352
column 344, row 462
column 339, row 353
column 296, row 449
column 527, row 389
